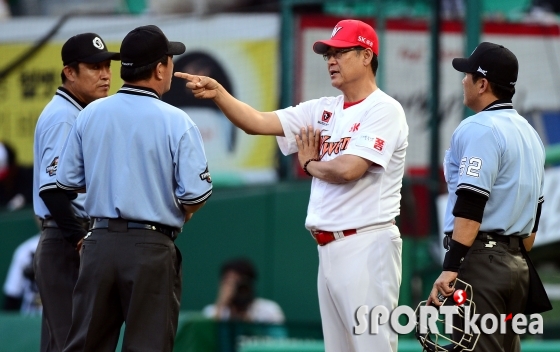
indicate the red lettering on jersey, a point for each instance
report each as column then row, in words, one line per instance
column 355, row 127
column 326, row 116
column 378, row 144
column 344, row 143
column 330, row 148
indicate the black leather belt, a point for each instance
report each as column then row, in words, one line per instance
column 50, row 223
column 106, row 223
column 512, row 241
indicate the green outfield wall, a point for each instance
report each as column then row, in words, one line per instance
column 264, row 223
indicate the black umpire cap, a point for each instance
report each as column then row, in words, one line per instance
column 145, row 45
column 492, row 61
column 88, row 48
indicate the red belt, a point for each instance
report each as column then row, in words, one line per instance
column 325, row 237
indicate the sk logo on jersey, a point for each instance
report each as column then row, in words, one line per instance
column 51, row 169
column 355, row 127
column 326, row 117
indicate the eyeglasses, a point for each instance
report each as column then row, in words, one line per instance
column 337, row 54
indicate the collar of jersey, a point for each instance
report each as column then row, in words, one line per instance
column 65, row 94
column 137, row 90
column 499, row 105
column 349, row 104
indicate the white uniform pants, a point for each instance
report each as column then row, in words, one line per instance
column 361, row 269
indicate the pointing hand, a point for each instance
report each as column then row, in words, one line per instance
column 202, row 87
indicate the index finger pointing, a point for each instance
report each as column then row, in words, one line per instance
column 186, row 76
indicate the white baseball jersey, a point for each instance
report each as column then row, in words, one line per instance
column 497, row 154
column 138, row 158
column 375, row 129
column 51, row 131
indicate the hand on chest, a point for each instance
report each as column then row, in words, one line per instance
column 337, row 129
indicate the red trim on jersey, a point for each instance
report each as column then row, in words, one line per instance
column 349, row 104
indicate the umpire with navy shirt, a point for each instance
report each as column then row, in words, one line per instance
column 494, row 172
column 86, row 77
column 142, row 165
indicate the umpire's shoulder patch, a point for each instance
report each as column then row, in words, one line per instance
column 206, row 175
column 51, row 169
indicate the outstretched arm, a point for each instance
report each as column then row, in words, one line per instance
column 240, row 114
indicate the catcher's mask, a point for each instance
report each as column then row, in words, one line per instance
column 458, row 340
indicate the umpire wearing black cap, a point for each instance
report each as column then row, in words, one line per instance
column 143, row 166
column 494, row 169
column 86, row 76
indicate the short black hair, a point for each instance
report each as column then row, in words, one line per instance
column 130, row 74
column 242, row 266
column 374, row 60
column 501, row 92
column 74, row 65
column 374, row 64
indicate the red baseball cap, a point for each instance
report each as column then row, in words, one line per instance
column 349, row 33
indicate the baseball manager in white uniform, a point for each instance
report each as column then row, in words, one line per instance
column 354, row 147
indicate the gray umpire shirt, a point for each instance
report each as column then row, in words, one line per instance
column 497, row 154
column 53, row 126
column 138, row 158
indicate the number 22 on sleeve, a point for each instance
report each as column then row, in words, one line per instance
column 472, row 168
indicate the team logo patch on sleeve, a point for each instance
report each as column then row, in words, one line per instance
column 379, row 144
column 372, row 142
column 51, row 169
column 206, row 175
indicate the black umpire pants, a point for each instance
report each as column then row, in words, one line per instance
column 133, row 276
column 499, row 276
column 56, row 264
